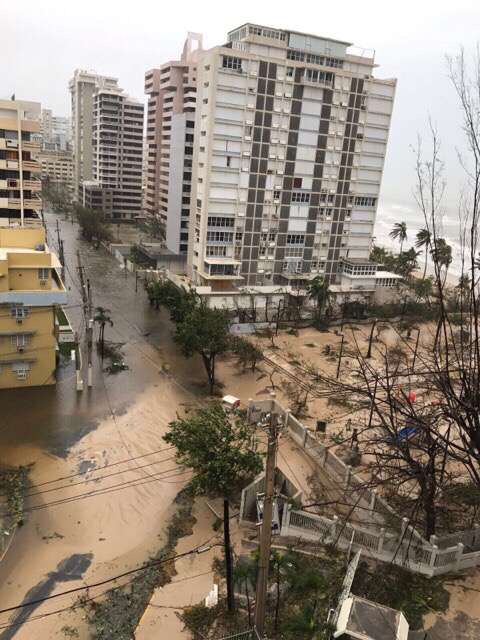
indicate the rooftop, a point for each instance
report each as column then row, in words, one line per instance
column 299, row 33
column 365, row 620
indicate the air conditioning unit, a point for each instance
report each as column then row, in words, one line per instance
column 253, row 73
column 274, row 141
column 271, row 244
column 279, row 94
column 330, row 147
column 275, row 125
column 276, row 201
column 20, row 349
column 246, row 153
column 249, row 122
column 277, row 109
column 19, row 320
column 288, row 94
column 280, row 78
column 261, row 271
column 245, row 169
column 280, row 172
column 248, row 137
column 250, row 106
column 43, row 283
column 272, row 156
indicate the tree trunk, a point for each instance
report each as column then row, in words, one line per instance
column 228, row 555
column 249, row 607
column 426, row 260
column 277, row 604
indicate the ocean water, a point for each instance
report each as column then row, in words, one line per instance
column 390, row 212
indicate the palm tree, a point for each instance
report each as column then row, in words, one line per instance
column 442, row 255
column 318, row 290
column 102, row 317
column 399, row 232
column 424, row 240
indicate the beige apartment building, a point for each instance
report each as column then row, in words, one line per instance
column 290, row 139
column 171, row 91
column 20, row 186
column 57, row 169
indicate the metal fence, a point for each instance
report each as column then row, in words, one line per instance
column 405, row 546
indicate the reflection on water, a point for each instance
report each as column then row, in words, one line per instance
column 55, row 418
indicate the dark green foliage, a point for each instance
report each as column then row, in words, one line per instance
column 249, row 355
column 12, row 485
column 216, row 446
column 199, row 620
column 204, row 331
column 92, row 223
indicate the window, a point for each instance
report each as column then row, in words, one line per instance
column 276, row 195
column 295, row 238
column 297, row 183
column 363, row 201
column 290, row 72
column 216, row 252
column 220, row 221
column 230, row 62
column 19, row 312
column 300, row 196
column 293, row 266
column 19, row 341
column 219, row 236
column 294, row 252
column 43, row 273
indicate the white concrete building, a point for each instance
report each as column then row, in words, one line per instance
column 108, row 145
column 290, row 140
column 170, row 134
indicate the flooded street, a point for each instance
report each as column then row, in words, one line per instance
column 103, row 479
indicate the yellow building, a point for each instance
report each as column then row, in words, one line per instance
column 30, row 292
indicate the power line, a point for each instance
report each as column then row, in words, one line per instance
column 106, row 466
column 154, row 563
column 173, row 471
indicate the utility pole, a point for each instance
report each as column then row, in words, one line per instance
column 78, row 364
column 88, row 316
column 60, row 251
column 340, row 356
column 369, row 352
column 415, row 353
column 90, row 335
column 228, row 555
column 266, row 531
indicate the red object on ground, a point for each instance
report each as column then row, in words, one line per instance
column 412, row 396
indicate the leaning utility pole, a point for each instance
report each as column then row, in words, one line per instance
column 88, row 316
column 266, row 531
column 90, row 335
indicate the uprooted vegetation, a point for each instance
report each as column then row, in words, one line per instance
column 118, row 614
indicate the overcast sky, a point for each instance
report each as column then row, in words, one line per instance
column 43, row 41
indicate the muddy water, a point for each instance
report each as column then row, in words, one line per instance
column 63, row 432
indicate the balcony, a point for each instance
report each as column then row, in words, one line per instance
column 33, row 203
column 30, row 165
column 30, row 145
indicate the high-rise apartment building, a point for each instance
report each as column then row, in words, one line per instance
column 20, row 186
column 108, row 144
column 56, row 131
column 290, row 140
column 170, row 134
column 82, row 87
column 31, row 291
